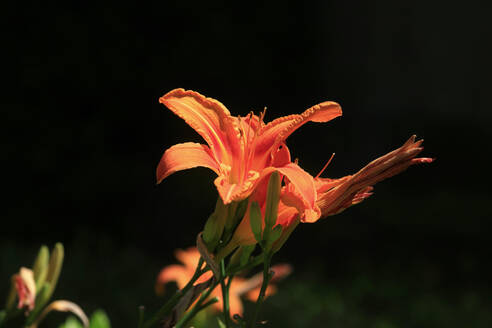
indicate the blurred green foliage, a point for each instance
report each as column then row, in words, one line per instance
column 99, row 319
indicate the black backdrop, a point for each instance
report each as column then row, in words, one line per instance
column 84, row 131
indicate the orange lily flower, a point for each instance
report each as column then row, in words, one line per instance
column 241, row 150
column 240, row 286
column 250, row 288
column 181, row 274
column 335, row 195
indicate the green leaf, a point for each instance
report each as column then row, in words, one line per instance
column 99, row 319
column 3, row 314
column 272, row 200
column 221, row 324
column 71, row 322
column 255, row 220
column 54, row 269
column 40, row 266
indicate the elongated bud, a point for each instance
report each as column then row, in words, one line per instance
column 236, row 211
column 272, row 200
column 284, row 235
column 54, row 269
column 215, row 226
column 241, row 208
column 42, row 298
column 241, row 255
column 212, row 232
column 40, row 266
column 255, row 220
column 274, row 235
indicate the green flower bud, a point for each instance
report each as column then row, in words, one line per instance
column 40, row 266
column 284, row 236
column 54, row 269
column 255, row 220
column 274, row 235
column 42, row 298
column 272, row 200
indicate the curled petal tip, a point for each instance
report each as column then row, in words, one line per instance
column 423, row 160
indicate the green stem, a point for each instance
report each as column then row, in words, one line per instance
column 222, row 253
column 256, row 261
column 225, row 294
column 264, row 285
column 141, row 313
column 176, row 297
column 198, row 306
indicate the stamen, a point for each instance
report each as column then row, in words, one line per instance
column 252, row 148
column 241, row 130
column 324, row 167
column 249, row 125
column 262, row 116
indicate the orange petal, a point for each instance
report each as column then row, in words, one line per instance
column 336, row 195
column 281, row 157
column 173, row 272
column 253, row 294
column 185, row 156
column 275, row 132
column 300, row 192
column 281, row 271
column 235, row 304
column 230, row 192
column 188, row 257
column 286, row 214
column 206, row 116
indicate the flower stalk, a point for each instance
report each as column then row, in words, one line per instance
column 267, row 275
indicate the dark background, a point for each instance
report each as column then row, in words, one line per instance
column 84, row 132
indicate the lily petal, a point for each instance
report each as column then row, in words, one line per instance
column 173, row 272
column 189, row 257
column 336, row 195
column 230, row 192
column 300, row 192
column 207, row 116
column 275, row 132
column 185, row 156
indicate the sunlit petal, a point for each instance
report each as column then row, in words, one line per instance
column 300, row 192
column 336, row 195
column 275, row 132
column 185, row 156
column 207, row 116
